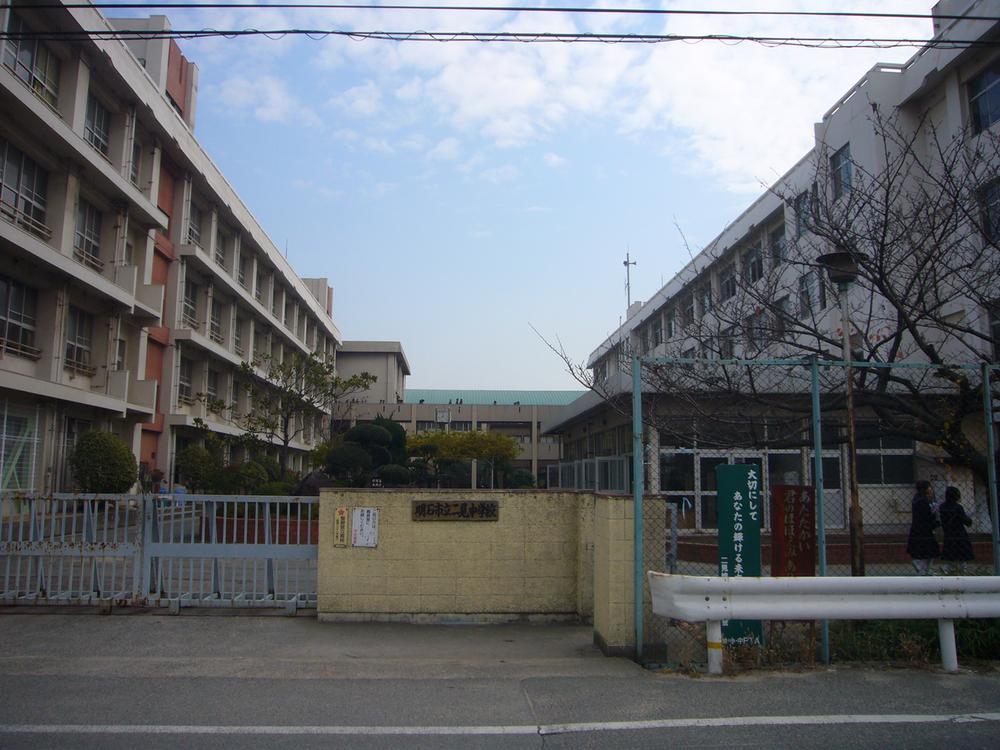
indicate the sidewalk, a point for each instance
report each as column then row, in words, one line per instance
column 84, row 680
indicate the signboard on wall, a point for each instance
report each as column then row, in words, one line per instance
column 340, row 527
column 793, row 530
column 455, row 510
column 364, row 527
column 740, row 512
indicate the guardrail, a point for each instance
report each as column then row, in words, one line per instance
column 712, row 599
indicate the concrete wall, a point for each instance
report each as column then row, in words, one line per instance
column 614, row 562
column 535, row 561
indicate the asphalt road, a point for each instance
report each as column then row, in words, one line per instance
column 155, row 681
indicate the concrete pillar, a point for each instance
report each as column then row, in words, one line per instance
column 651, row 441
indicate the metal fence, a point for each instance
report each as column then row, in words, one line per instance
column 791, row 423
column 159, row 550
column 609, row 474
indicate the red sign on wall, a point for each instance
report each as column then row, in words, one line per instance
column 793, row 530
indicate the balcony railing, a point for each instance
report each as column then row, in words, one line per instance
column 76, row 367
column 90, row 260
column 215, row 333
column 189, row 321
column 183, row 399
column 16, row 216
column 8, row 346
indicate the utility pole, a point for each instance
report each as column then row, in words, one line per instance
column 628, row 279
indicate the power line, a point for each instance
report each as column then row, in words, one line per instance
column 506, row 9
column 496, row 36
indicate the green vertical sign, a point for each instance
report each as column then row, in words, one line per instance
column 740, row 514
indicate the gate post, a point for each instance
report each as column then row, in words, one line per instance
column 637, row 486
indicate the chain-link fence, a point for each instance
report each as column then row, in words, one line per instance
column 912, row 424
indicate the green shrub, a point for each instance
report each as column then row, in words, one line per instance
column 397, row 446
column 102, row 462
column 198, row 468
column 368, row 435
column 270, row 465
column 251, row 475
column 349, row 462
column 521, row 479
column 393, row 475
column 276, row 487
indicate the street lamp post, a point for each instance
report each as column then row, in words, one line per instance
column 842, row 268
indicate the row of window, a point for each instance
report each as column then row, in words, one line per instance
column 19, row 322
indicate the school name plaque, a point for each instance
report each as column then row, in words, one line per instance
column 456, row 510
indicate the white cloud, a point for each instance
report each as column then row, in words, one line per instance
column 267, row 98
column 554, row 160
column 496, row 175
column 361, row 101
column 445, row 149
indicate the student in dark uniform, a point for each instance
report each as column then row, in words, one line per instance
column 921, row 545
column 957, row 549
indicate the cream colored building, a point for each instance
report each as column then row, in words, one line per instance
column 133, row 279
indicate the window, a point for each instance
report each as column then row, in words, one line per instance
column 643, row 340
column 238, row 338
column 194, row 225
column 601, row 371
column 215, row 322
column 17, row 318
column 782, row 314
column 184, row 377
column 753, row 264
column 97, row 125
column 79, row 335
column 840, row 171
column 657, row 331
column 984, row 98
column 241, row 274
column 460, row 427
column 670, row 325
column 19, row 442
column 776, row 240
column 121, row 354
column 756, row 329
column 727, row 343
column 220, row 248
column 427, row 426
column 989, row 199
column 275, row 301
column 31, row 61
column 812, row 294
column 23, row 190
column 704, row 299
column 687, row 311
column 189, row 310
column 727, row 281
column 135, row 166
column 212, row 384
column 803, row 215
column 258, row 289
column 885, row 459
column 87, row 239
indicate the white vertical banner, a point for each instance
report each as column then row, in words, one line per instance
column 364, row 527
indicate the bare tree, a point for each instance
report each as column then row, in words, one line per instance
column 922, row 222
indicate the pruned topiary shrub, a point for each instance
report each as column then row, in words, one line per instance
column 102, row 462
column 394, row 475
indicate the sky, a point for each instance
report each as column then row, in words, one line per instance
column 461, row 196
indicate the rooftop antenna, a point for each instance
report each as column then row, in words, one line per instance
column 628, row 278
